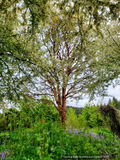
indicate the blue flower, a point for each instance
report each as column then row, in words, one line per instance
column 3, row 155
column 71, row 130
column 90, row 133
column 75, row 132
column 101, row 137
column 3, row 142
column 95, row 137
column 85, row 134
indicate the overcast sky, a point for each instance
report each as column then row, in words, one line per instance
column 111, row 91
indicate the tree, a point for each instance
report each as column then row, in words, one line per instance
column 73, row 120
column 65, row 65
column 107, row 57
column 115, row 103
column 112, row 116
column 64, row 71
column 96, row 13
column 92, row 117
column 19, row 21
column 17, row 44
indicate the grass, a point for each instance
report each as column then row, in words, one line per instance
column 47, row 140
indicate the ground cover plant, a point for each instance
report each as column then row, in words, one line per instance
column 45, row 139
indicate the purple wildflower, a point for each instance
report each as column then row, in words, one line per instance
column 116, row 137
column 95, row 137
column 90, row 133
column 3, row 142
column 68, row 130
column 85, row 134
column 3, row 155
column 75, row 132
column 71, row 130
column 101, row 137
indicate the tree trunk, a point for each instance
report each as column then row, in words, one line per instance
column 63, row 115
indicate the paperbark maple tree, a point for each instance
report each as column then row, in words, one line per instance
column 62, row 70
column 67, row 67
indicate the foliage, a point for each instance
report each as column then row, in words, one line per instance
column 19, row 21
column 78, row 110
column 22, row 26
column 1, row 115
column 81, row 121
column 45, row 141
column 48, row 140
column 92, row 116
column 10, row 117
column 112, row 116
column 73, row 120
column 3, row 124
column 107, row 58
column 114, row 102
column 40, row 110
column 28, row 115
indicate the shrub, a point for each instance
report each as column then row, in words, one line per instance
column 39, row 111
column 81, row 121
column 10, row 118
column 73, row 121
column 92, row 116
column 3, row 124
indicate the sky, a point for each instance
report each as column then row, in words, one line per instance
column 114, row 92
column 111, row 91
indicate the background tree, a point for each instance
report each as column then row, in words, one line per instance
column 74, row 121
column 92, row 117
column 78, row 110
column 115, row 102
column 112, row 117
